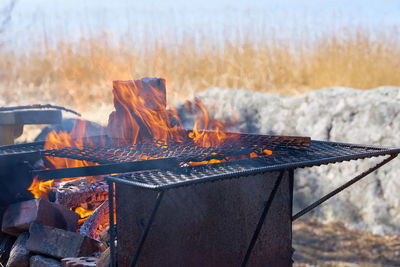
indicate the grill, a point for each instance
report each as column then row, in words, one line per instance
column 152, row 168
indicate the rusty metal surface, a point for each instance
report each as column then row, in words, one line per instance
column 207, row 225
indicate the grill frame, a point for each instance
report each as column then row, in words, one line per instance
column 286, row 157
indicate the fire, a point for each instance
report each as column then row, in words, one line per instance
column 76, row 138
column 40, row 189
column 140, row 113
column 201, row 134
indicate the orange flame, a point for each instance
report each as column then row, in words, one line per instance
column 76, row 138
column 142, row 113
column 207, row 132
column 54, row 140
column 83, row 213
column 40, row 189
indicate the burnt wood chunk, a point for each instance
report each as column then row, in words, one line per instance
column 131, row 99
column 19, row 255
column 59, row 243
column 99, row 218
column 41, row 261
column 79, row 262
column 81, row 191
column 19, row 216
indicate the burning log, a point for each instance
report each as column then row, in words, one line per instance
column 134, row 102
column 80, row 192
column 98, row 220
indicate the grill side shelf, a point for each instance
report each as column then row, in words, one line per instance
column 160, row 180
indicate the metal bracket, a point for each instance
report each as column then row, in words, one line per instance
column 341, row 188
column 147, row 228
column 262, row 218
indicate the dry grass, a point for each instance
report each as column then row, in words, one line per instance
column 78, row 74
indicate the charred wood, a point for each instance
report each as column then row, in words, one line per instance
column 80, row 192
column 126, row 123
column 96, row 222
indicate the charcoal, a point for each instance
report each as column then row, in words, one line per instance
column 18, row 217
column 60, row 243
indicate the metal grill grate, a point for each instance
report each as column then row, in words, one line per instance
column 240, row 146
column 287, row 157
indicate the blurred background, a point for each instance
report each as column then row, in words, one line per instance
column 68, row 52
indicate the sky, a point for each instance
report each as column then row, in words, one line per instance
column 74, row 18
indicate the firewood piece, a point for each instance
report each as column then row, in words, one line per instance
column 151, row 90
column 131, row 98
column 98, row 218
column 41, row 261
column 59, row 243
column 74, row 193
column 18, row 217
column 79, row 262
column 105, row 259
column 19, row 255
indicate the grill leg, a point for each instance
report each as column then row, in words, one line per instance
column 262, row 218
column 112, row 225
column 341, row 188
column 147, row 228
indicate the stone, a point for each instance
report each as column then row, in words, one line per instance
column 79, row 262
column 19, row 255
column 19, row 216
column 332, row 114
column 59, row 243
column 105, row 236
column 41, row 261
column 105, row 259
column 5, row 248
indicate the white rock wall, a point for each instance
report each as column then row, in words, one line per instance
column 334, row 114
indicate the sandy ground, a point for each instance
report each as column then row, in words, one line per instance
column 333, row 244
